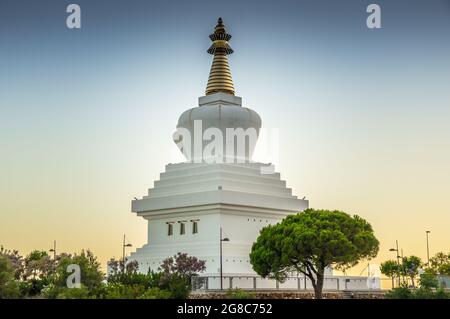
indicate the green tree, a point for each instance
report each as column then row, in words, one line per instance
column 429, row 287
column 410, row 267
column 38, row 268
column 311, row 241
column 91, row 275
column 429, row 280
column 17, row 261
column 441, row 263
column 182, row 264
column 390, row 268
column 9, row 287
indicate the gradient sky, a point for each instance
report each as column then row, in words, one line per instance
column 87, row 116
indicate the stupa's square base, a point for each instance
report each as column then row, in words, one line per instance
column 191, row 203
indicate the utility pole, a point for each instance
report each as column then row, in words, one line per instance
column 53, row 250
column 123, row 251
column 221, row 266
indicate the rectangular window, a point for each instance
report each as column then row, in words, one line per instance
column 169, row 229
column 194, row 227
column 182, row 229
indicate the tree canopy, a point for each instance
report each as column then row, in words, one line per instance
column 311, row 241
column 441, row 263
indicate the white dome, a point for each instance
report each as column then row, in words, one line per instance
column 212, row 120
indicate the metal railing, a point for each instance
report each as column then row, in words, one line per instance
column 334, row 283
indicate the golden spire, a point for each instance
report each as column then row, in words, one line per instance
column 220, row 76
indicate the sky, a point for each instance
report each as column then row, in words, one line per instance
column 87, row 115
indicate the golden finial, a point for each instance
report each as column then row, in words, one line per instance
column 220, row 76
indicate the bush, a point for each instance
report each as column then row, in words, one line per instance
column 429, row 279
column 73, row 293
column 178, row 285
column 56, row 292
column 148, row 286
column 421, row 293
column 34, row 287
column 9, row 287
column 155, row 293
column 149, row 280
column 121, row 291
column 239, row 294
column 51, row 291
column 399, row 293
column 25, row 288
column 10, row 290
column 91, row 275
column 425, row 293
column 441, row 294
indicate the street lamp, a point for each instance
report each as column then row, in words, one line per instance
column 428, row 249
column 398, row 262
column 123, row 251
column 53, row 250
column 221, row 273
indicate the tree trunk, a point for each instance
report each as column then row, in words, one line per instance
column 319, row 285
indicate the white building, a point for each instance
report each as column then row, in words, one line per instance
column 193, row 201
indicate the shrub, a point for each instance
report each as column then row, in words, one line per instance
column 91, row 275
column 399, row 293
column 178, row 285
column 148, row 280
column 73, row 293
column 51, row 291
column 9, row 287
column 155, row 293
column 441, row 294
column 121, row 291
column 421, row 293
column 239, row 294
column 429, row 279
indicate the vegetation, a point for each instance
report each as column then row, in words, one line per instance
column 440, row 263
column 410, row 267
column 38, row 275
column 311, row 241
column 237, row 293
column 390, row 269
column 429, row 289
column 9, row 287
column 429, row 285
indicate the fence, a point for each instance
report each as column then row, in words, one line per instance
column 334, row 283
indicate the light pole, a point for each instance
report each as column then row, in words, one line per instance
column 123, row 251
column 428, row 249
column 398, row 263
column 53, row 250
column 221, row 272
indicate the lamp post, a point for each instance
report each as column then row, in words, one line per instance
column 53, row 250
column 398, row 262
column 428, row 249
column 221, row 272
column 123, row 251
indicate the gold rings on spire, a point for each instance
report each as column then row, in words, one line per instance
column 220, row 76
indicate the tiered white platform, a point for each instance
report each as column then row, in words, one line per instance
column 237, row 197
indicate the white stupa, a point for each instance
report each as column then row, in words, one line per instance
column 193, row 201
